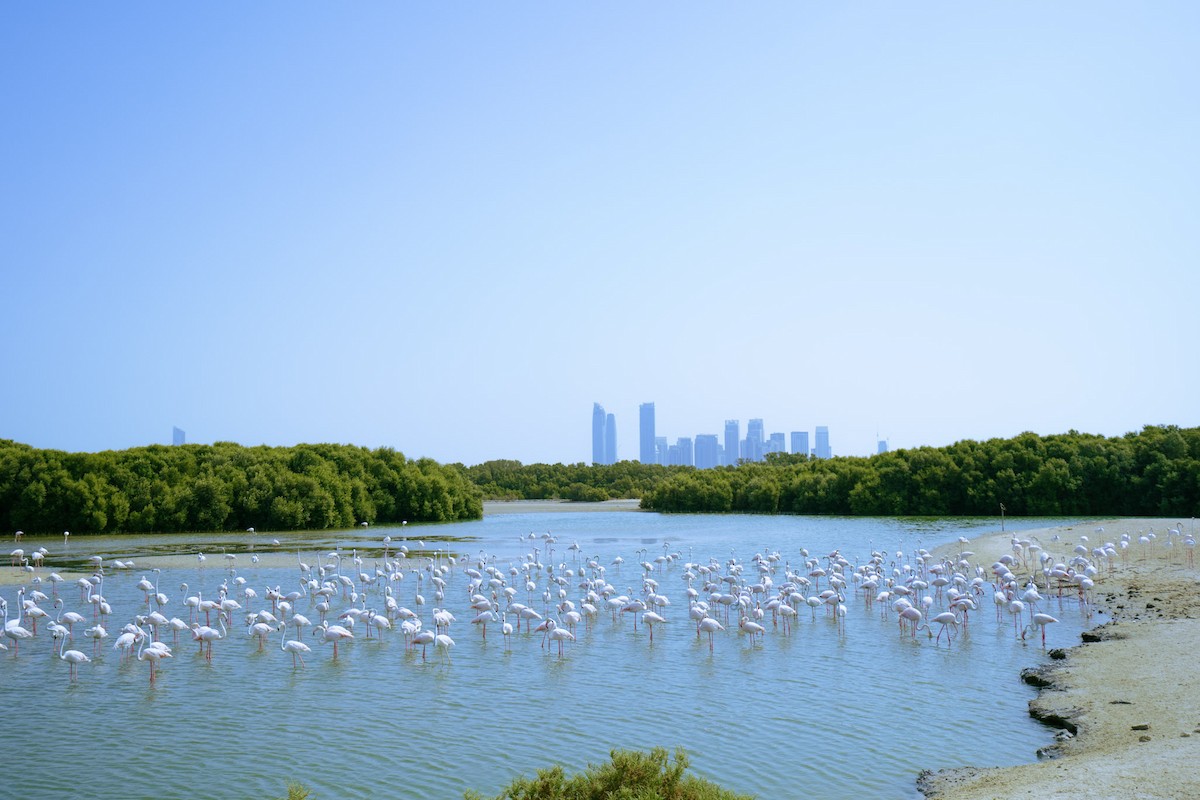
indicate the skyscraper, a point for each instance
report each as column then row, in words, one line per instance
column 599, row 423
column 823, row 449
column 660, row 450
column 684, row 443
column 178, row 436
column 610, row 439
column 883, row 446
column 732, row 435
column 707, row 448
column 800, row 443
column 755, row 438
column 776, row 444
column 646, row 433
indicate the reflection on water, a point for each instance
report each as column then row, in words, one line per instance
column 839, row 714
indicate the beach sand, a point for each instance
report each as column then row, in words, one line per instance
column 1128, row 698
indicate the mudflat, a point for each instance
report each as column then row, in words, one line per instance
column 1127, row 699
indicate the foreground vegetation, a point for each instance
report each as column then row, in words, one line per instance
column 225, row 487
column 629, row 775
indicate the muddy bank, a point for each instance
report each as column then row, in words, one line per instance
column 1126, row 701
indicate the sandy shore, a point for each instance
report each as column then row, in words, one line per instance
column 493, row 507
column 1128, row 698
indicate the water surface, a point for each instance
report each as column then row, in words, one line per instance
column 819, row 712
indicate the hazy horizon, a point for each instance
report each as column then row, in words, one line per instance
column 451, row 230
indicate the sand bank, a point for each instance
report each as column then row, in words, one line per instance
column 1128, row 698
column 493, row 507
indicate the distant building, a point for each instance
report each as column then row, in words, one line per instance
column 883, row 446
column 755, row 440
column 822, row 449
column 732, row 438
column 610, row 439
column 800, row 442
column 776, row 444
column 660, row 450
column 178, row 436
column 646, row 449
column 599, row 434
column 684, row 443
column 707, row 451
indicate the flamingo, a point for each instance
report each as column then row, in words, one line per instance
column 751, row 627
column 443, row 642
column 126, row 641
column 70, row 617
column 98, row 633
column 946, row 619
column 911, row 614
column 482, row 619
column 1040, row 620
column 72, row 657
column 296, row 647
column 260, row 631
column 561, row 635
column 154, row 653
column 652, row 618
column 206, row 635
column 334, row 634
column 13, row 630
column 424, row 637
column 709, row 626
column 506, row 629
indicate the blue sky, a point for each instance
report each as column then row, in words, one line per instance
column 451, row 228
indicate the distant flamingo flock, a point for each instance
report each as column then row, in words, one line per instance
column 552, row 596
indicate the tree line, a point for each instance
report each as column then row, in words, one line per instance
column 225, row 486
column 1155, row 472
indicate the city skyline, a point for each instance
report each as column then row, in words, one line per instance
column 449, row 233
column 707, row 450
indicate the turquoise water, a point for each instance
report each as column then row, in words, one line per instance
column 818, row 712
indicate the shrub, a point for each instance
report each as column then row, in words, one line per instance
column 630, row 775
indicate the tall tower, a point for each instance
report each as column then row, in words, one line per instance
column 707, row 448
column 733, row 435
column 646, row 433
column 610, row 439
column 599, row 423
column 822, row 448
column 800, row 443
column 684, row 443
column 755, row 438
column 178, row 436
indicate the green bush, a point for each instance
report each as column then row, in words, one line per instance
column 630, row 775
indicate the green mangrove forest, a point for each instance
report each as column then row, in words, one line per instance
column 1155, row 472
column 225, row 486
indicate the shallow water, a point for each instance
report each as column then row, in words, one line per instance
column 817, row 713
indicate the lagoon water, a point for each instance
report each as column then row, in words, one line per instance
column 817, row 713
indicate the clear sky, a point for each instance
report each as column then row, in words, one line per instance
column 449, row 228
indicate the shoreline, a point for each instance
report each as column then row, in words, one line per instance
column 498, row 507
column 1125, row 700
